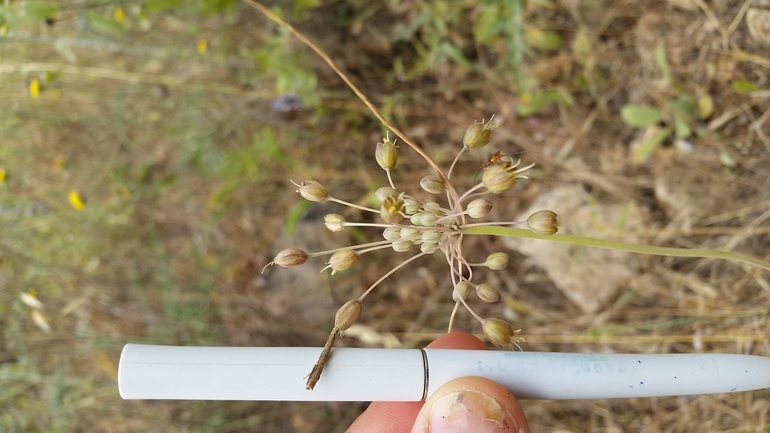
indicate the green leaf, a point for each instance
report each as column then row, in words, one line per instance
column 685, row 106
column 456, row 54
column 744, row 86
column 653, row 141
column 489, row 24
column 161, row 5
column 104, row 24
column 536, row 103
column 295, row 213
column 211, row 7
column 640, row 116
column 662, row 62
column 266, row 143
column 38, row 11
column 681, row 128
column 542, row 39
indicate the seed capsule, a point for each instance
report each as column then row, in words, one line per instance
column 384, row 192
column 408, row 232
column 499, row 332
column 478, row 134
column 433, row 184
column 402, row 246
column 347, row 315
column 290, row 257
column 462, row 290
column 478, row 208
column 341, row 260
column 429, row 247
column 498, row 261
column 334, row 222
column 543, row 222
column 431, row 236
column 428, row 219
column 386, row 154
column 496, row 179
column 392, row 233
column 487, row 293
column 432, row 206
column 411, row 206
column 312, row 190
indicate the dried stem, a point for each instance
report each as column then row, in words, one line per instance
column 318, row 368
column 269, row 14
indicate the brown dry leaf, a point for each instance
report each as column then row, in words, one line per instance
column 758, row 22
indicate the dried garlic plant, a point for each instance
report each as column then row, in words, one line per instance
column 426, row 228
column 430, row 227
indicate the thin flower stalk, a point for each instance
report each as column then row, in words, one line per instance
column 437, row 228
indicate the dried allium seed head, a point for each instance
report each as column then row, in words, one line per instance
column 392, row 233
column 543, row 222
column 499, row 332
column 487, row 293
column 347, row 315
column 462, row 289
column 402, row 246
column 341, row 260
column 496, row 179
column 312, row 190
column 479, row 208
column 433, row 184
column 478, row 134
column 391, row 209
column 386, row 154
column 290, row 257
column 334, row 222
column 384, row 192
column 498, row 261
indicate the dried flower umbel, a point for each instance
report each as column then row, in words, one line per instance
column 452, row 226
column 426, row 228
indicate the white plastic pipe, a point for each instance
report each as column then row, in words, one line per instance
column 278, row 373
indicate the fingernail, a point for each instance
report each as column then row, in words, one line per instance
column 469, row 411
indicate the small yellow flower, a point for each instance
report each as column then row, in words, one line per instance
column 59, row 164
column 4, row 30
column 34, row 88
column 2, row 175
column 119, row 15
column 202, row 46
column 76, row 201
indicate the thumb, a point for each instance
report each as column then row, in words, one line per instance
column 471, row 405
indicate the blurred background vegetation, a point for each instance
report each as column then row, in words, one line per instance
column 146, row 149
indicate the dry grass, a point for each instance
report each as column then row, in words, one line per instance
column 184, row 168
